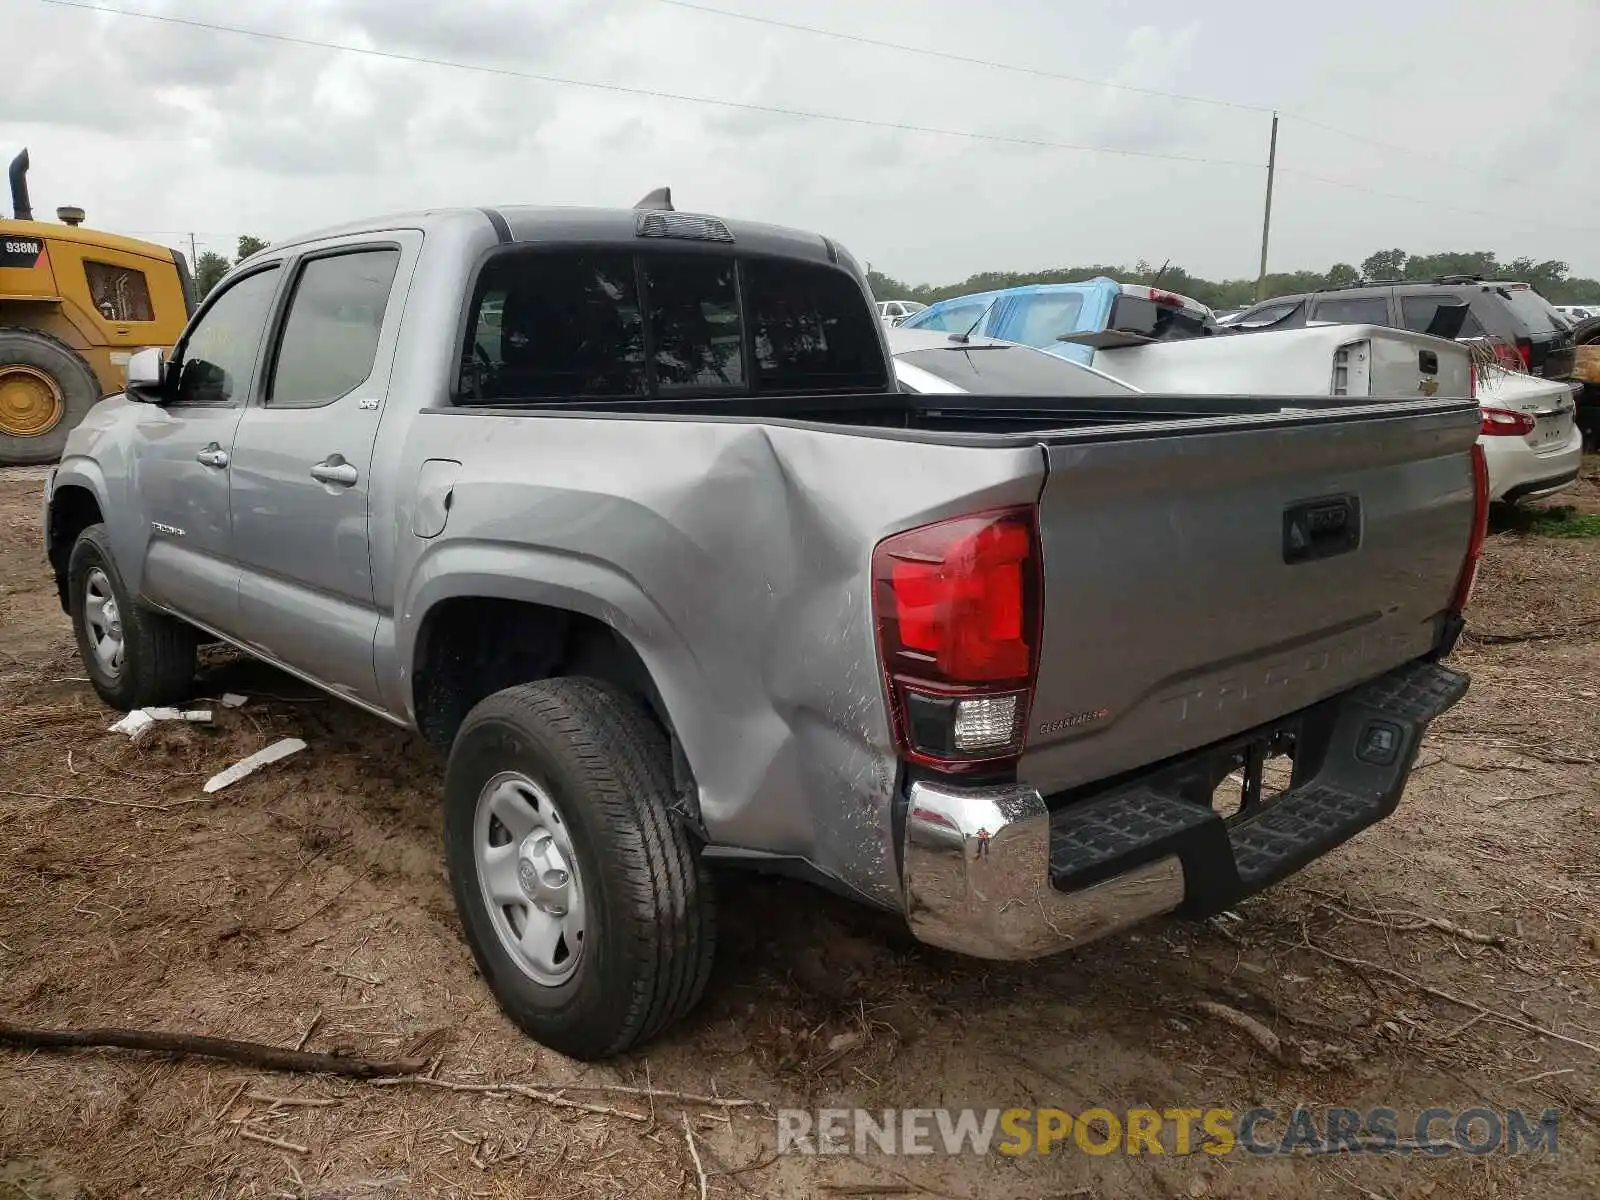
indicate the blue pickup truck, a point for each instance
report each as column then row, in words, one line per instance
column 1098, row 313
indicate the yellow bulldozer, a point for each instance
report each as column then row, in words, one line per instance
column 75, row 303
column 1587, row 371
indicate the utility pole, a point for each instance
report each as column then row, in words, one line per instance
column 192, row 255
column 1266, row 218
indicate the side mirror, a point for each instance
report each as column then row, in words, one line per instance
column 147, row 375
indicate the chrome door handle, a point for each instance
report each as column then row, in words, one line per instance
column 212, row 456
column 334, row 469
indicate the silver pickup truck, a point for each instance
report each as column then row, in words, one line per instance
column 623, row 508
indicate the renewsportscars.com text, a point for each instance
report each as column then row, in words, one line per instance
column 1214, row 1131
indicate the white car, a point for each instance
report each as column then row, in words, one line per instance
column 1578, row 312
column 892, row 312
column 1531, row 441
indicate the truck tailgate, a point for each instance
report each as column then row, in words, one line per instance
column 1319, row 360
column 1202, row 583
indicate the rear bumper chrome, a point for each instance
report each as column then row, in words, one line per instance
column 977, row 875
column 995, row 872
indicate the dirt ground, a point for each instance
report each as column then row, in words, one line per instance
column 309, row 902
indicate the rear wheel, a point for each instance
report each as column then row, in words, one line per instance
column 45, row 390
column 582, row 897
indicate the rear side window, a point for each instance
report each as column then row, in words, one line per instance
column 1533, row 310
column 331, row 337
column 571, row 325
column 119, row 293
column 1039, row 320
column 1370, row 310
column 1417, row 314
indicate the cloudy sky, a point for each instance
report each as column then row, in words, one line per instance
column 1470, row 123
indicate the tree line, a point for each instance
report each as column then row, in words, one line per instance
column 210, row 267
column 1551, row 278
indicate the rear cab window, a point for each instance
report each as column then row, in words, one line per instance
column 1161, row 321
column 600, row 324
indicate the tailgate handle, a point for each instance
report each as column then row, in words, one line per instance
column 1427, row 362
column 1322, row 528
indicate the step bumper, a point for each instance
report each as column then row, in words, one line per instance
column 1002, row 872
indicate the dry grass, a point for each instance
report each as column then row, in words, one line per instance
column 1451, row 957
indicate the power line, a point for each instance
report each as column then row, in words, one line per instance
column 1476, row 212
column 962, row 58
column 775, row 110
column 1100, row 83
column 622, row 89
column 201, row 234
column 1407, row 150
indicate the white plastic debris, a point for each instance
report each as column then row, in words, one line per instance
column 233, row 699
column 137, row 723
column 179, row 714
column 245, row 766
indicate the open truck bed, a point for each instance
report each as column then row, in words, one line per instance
column 1176, row 600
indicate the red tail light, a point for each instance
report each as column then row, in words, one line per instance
column 1480, row 529
column 1503, row 422
column 1525, row 355
column 957, row 611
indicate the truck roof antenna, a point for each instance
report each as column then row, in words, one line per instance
column 661, row 199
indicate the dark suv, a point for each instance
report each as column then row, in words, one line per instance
column 1511, row 316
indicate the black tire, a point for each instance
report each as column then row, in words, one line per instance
column 650, row 929
column 79, row 389
column 1586, row 332
column 158, row 659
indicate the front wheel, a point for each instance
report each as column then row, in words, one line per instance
column 582, row 897
column 134, row 657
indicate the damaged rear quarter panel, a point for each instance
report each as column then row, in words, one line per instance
column 734, row 556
